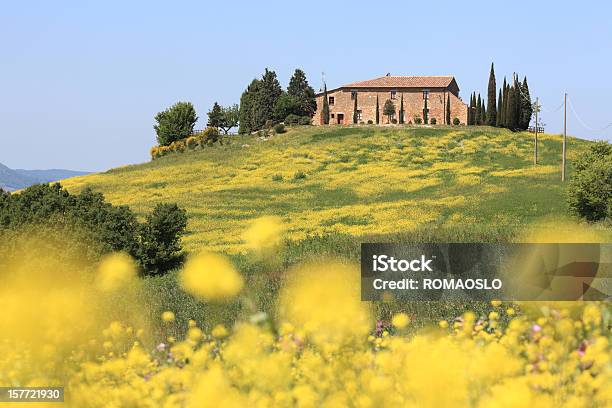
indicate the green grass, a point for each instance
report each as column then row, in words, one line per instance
column 336, row 187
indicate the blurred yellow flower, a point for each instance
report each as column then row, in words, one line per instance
column 168, row 316
column 211, row 277
column 219, row 331
column 264, row 233
column 400, row 320
column 115, row 271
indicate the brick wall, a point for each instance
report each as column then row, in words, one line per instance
column 413, row 105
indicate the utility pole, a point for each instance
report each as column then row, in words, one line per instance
column 535, row 150
column 564, row 136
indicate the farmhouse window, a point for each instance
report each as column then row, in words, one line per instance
column 393, row 94
column 332, row 115
column 426, row 94
column 331, row 100
column 353, row 95
column 358, row 115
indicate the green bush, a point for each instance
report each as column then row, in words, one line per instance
column 292, row 120
column 417, row 120
column 210, row 135
column 160, row 239
column 50, row 211
column 433, row 121
column 370, row 122
column 277, row 177
column 456, row 121
column 305, row 120
column 589, row 194
column 394, row 121
column 299, row 175
column 191, row 142
column 279, row 128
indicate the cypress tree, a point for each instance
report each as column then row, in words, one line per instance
column 511, row 109
column 477, row 118
column 505, row 105
column 325, row 110
column 448, row 111
column 499, row 119
column 355, row 110
column 491, row 103
column 517, row 102
column 377, row 111
column 483, row 113
column 526, row 106
column 425, row 113
column 401, row 112
column 471, row 110
column 303, row 93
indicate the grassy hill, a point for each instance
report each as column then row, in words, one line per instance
column 358, row 181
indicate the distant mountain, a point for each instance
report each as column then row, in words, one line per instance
column 11, row 180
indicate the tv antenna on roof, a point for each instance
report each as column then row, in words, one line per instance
column 388, row 74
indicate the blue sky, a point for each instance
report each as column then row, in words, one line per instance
column 81, row 81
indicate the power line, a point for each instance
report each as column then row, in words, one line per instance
column 582, row 121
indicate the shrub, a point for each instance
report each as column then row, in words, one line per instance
column 589, row 194
column 305, row 120
column 191, row 142
column 456, row 121
column 370, row 122
column 277, row 177
column 210, row 135
column 299, row 175
column 292, row 120
column 101, row 226
column 433, row 121
column 418, row 120
column 269, row 124
column 160, row 238
column 279, row 128
column 394, row 121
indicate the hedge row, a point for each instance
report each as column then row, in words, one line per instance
column 208, row 137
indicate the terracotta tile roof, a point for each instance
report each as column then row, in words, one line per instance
column 403, row 82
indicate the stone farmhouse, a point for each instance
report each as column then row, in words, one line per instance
column 414, row 89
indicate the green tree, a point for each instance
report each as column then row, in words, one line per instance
column 247, row 104
column 589, row 193
column 325, row 109
column 377, row 111
column 355, row 109
column 230, row 118
column 175, row 123
column 447, row 119
column 491, row 102
column 425, row 112
column 483, row 113
column 389, row 109
column 499, row 119
column 286, row 105
column 215, row 116
column 160, row 238
column 478, row 112
column 511, row 111
column 526, row 108
column 265, row 99
column 505, row 104
column 401, row 109
column 303, row 94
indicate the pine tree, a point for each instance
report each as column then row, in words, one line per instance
column 355, row 110
column 303, row 93
column 215, row 116
column 448, row 111
column 491, row 103
column 325, row 109
column 377, row 111
column 401, row 112
column 526, row 106
column 499, row 118
column 247, row 103
column 477, row 113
